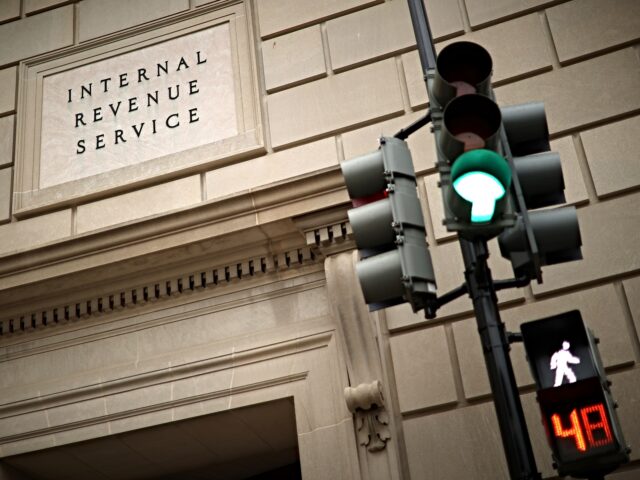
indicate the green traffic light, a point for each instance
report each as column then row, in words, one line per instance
column 481, row 177
column 482, row 191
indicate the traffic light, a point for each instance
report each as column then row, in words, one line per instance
column 475, row 176
column 389, row 228
column 573, row 393
column 542, row 237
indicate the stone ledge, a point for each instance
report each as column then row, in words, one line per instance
column 254, row 216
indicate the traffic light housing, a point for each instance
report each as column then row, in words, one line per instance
column 475, row 176
column 573, row 393
column 541, row 237
column 389, row 228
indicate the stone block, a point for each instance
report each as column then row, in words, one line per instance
column 444, row 18
column 9, row 10
column 6, row 140
column 6, row 175
column 415, row 82
column 11, row 425
column 424, row 375
column 632, row 474
column 581, row 94
column 575, row 190
column 365, row 94
column 329, row 452
column 612, row 155
column 632, row 291
column 585, row 27
column 293, row 58
column 371, row 33
column 30, row 233
column 137, row 422
column 433, row 440
column 8, row 89
column 76, row 412
column 512, row 59
column 609, row 232
column 28, row 445
column 139, row 204
column 97, row 18
column 365, row 140
column 626, row 391
column 482, row 12
column 137, row 398
column 276, row 16
column 271, row 168
column 475, row 380
column 32, row 6
column 35, row 35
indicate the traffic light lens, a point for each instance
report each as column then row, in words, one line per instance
column 481, row 177
column 482, row 191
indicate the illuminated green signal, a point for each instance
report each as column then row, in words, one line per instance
column 481, row 177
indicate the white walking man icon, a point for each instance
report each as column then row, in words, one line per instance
column 560, row 363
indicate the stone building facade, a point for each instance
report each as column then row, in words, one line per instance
column 178, row 300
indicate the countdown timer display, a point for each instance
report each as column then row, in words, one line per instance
column 577, row 420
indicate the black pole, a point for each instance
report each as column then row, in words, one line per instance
column 424, row 39
column 513, row 428
column 495, row 345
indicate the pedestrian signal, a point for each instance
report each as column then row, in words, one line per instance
column 577, row 409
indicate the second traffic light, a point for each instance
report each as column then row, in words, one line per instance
column 389, row 228
column 539, row 237
column 475, row 176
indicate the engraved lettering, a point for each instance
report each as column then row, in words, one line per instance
column 176, row 124
column 164, row 68
column 79, row 119
column 193, row 87
column 97, row 114
column 119, row 136
column 152, row 96
column 160, row 108
column 142, row 73
column 87, row 90
column 105, row 84
column 133, row 104
column 181, row 64
column 138, row 130
column 171, row 97
column 115, row 110
column 193, row 115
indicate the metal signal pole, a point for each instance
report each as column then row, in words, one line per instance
column 481, row 289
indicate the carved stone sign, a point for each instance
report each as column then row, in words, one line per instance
column 94, row 119
column 145, row 104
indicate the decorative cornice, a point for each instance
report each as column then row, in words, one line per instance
column 327, row 232
column 153, row 291
column 253, row 209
